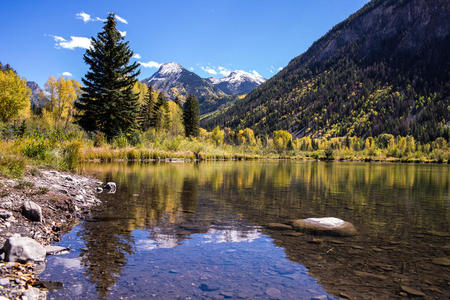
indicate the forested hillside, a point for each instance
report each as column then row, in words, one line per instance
column 386, row 69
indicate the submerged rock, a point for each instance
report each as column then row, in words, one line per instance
column 273, row 293
column 32, row 211
column 278, row 226
column 442, row 261
column 55, row 250
column 412, row 291
column 325, row 226
column 23, row 249
column 110, row 187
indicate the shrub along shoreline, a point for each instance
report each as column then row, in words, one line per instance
column 66, row 150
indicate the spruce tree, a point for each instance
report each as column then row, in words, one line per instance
column 147, row 111
column 191, row 116
column 161, row 112
column 108, row 103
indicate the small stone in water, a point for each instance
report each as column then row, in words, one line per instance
column 443, row 261
column 208, row 287
column 412, row 291
column 227, row 294
column 4, row 281
column 273, row 293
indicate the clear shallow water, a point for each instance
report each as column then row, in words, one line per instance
column 176, row 231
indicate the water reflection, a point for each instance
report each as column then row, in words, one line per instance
column 179, row 221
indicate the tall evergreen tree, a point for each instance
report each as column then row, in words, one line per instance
column 161, row 112
column 191, row 116
column 108, row 103
column 147, row 110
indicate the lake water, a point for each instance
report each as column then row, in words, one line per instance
column 196, row 231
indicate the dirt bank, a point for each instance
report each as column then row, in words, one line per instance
column 58, row 200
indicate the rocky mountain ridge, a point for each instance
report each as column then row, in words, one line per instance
column 386, row 69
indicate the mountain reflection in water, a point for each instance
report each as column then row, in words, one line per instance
column 187, row 230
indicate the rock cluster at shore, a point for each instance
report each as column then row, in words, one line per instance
column 34, row 212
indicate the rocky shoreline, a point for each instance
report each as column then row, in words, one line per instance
column 37, row 210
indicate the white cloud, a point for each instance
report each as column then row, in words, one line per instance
column 253, row 72
column 122, row 20
column 209, row 70
column 75, row 42
column 58, row 38
column 137, row 56
column 280, row 68
column 87, row 17
column 224, row 71
column 150, row 64
column 191, row 68
column 67, row 74
column 84, row 16
column 123, row 33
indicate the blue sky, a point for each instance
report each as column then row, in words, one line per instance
column 210, row 37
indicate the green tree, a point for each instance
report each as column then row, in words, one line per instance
column 161, row 113
column 147, row 110
column 191, row 116
column 108, row 103
column 14, row 96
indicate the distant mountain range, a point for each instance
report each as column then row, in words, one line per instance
column 37, row 98
column 386, row 69
column 176, row 81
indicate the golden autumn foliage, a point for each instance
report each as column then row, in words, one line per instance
column 14, row 96
column 60, row 110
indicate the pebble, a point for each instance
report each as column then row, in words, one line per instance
column 442, row 261
column 412, row 291
column 4, row 281
column 273, row 293
column 226, row 294
column 208, row 287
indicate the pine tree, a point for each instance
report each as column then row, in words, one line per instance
column 147, row 111
column 160, row 114
column 178, row 102
column 191, row 116
column 108, row 103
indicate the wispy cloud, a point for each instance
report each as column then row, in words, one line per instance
column 123, row 33
column 74, row 42
column 209, row 70
column 253, row 72
column 67, row 74
column 122, row 20
column 83, row 16
column 192, row 69
column 224, row 71
column 87, row 17
column 280, row 68
column 150, row 64
column 137, row 56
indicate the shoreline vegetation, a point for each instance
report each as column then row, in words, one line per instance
column 31, row 144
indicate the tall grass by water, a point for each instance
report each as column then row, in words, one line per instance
column 66, row 149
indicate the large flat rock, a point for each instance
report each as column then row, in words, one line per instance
column 23, row 249
column 325, row 226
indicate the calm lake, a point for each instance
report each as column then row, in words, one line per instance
column 196, row 231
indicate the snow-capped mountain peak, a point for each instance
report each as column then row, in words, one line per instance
column 170, row 68
column 238, row 82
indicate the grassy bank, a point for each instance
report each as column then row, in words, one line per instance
column 66, row 149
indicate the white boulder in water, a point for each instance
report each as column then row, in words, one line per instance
column 325, row 226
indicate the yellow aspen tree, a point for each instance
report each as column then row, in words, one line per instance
column 14, row 96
